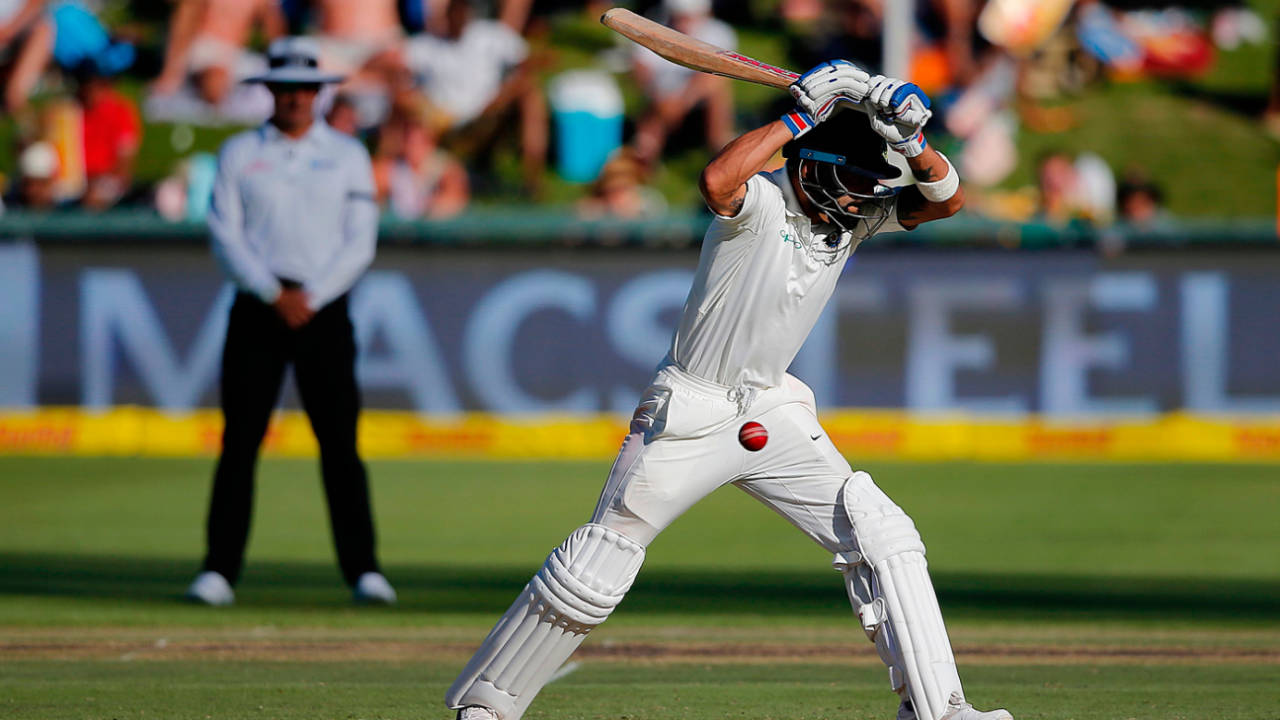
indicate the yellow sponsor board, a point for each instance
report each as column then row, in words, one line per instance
column 860, row 435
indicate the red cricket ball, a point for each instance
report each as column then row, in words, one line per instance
column 753, row 436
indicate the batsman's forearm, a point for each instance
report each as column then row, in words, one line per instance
column 746, row 155
column 928, row 166
column 937, row 193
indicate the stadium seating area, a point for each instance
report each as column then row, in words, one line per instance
column 1049, row 109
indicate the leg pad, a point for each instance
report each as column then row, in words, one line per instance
column 577, row 588
column 889, row 586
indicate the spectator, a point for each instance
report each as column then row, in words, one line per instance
column 342, row 115
column 37, row 182
column 619, row 191
column 1141, row 202
column 674, row 92
column 955, row 19
column 1079, row 189
column 1057, row 180
column 352, row 34
column 418, row 15
column 207, row 44
column 26, row 46
column 851, row 30
column 1021, row 27
column 413, row 176
column 112, row 137
column 801, row 12
column 80, row 37
column 188, row 191
column 477, row 75
column 943, row 46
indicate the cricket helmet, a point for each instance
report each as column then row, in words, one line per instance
column 841, row 152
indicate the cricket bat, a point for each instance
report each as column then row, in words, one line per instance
column 693, row 53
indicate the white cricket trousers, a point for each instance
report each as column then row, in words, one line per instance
column 683, row 444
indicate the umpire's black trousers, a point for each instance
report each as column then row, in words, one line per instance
column 259, row 347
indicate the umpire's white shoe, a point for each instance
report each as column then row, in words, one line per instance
column 211, row 588
column 373, row 589
column 477, row 712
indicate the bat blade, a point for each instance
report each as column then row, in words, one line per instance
column 693, row 53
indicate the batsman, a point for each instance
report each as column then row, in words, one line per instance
column 769, row 263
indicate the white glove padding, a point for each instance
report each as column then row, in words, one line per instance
column 904, row 138
column 898, row 112
column 819, row 91
column 905, row 102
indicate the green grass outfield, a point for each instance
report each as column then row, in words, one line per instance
column 1072, row 591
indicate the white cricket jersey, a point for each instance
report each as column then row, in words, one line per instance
column 299, row 209
column 763, row 278
column 462, row 76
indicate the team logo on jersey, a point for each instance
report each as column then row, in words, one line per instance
column 790, row 239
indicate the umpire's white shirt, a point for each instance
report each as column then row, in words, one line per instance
column 298, row 209
column 763, row 278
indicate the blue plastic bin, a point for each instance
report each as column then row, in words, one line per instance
column 587, row 113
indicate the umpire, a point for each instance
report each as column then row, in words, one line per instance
column 294, row 225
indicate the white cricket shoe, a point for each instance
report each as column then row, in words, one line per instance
column 373, row 589
column 211, row 588
column 477, row 712
column 956, row 710
column 965, row 711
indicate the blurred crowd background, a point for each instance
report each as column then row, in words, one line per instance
column 1065, row 113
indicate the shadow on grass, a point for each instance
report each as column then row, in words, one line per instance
column 1249, row 104
column 468, row 589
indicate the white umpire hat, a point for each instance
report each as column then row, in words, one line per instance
column 294, row 60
